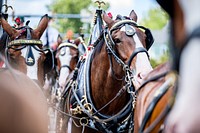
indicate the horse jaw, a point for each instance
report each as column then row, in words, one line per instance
column 142, row 64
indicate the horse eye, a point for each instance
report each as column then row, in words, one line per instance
column 117, row 41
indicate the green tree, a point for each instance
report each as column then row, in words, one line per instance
column 155, row 19
column 69, row 7
column 162, row 59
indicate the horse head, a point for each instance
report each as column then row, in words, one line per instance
column 24, row 50
column 131, row 44
column 67, row 57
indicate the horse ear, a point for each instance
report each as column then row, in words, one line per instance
column 59, row 39
column 77, row 41
column 41, row 26
column 108, row 20
column 133, row 15
column 12, row 32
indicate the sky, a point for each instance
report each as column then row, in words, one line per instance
column 38, row 7
column 122, row 7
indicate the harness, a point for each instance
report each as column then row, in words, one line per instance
column 160, row 92
column 81, row 101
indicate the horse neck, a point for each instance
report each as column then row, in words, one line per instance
column 104, row 85
column 101, row 66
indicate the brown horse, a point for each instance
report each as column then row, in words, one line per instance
column 23, row 105
column 104, row 96
column 67, row 56
column 24, row 50
column 153, row 100
column 185, row 50
column 155, row 97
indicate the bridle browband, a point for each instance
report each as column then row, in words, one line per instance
column 24, row 42
column 67, row 44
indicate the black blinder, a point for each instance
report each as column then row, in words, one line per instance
column 29, row 59
column 149, row 37
column 49, row 61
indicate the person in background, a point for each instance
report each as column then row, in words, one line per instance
column 50, row 36
column 69, row 35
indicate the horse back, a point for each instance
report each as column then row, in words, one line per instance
column 147, row 95
column 23, row 105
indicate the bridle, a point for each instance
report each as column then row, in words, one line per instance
column 28, row 43
column 110, row 43
column 66, row 44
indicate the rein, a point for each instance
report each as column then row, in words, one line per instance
column 101, row 121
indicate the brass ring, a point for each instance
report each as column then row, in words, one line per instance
column 83, row 121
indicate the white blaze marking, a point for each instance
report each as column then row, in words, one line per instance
column 142, row 63
column 32, row 71
column 64, row 60
column 123, row 29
